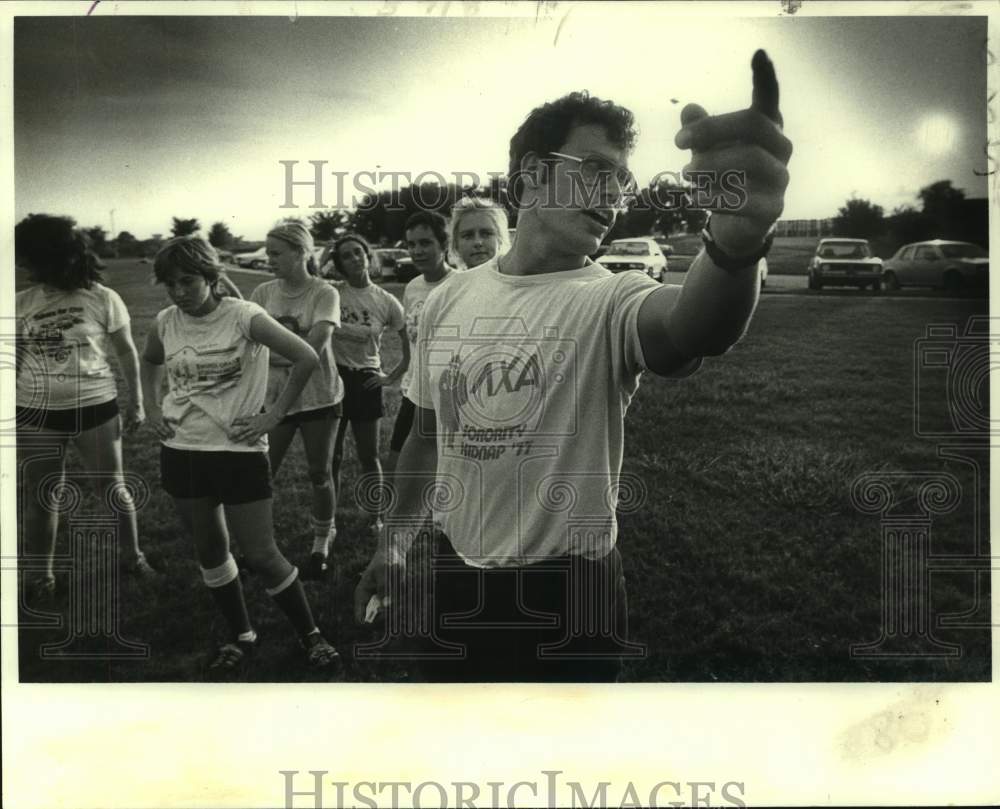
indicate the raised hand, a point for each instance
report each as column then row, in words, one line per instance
column 751, row 142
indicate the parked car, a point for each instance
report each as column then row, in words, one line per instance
column 845, row 262
column 937, row 263
column 665, row 247
column 385, row 261
column 640, row 253
column 257, row 260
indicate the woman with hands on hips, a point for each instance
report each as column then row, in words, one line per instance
column 213, row 458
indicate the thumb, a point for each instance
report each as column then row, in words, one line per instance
column 692, row 113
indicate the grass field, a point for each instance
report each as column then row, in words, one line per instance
column 748, row 561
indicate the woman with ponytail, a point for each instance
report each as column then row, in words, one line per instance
column 309, row 307
column 213, row 458
column 68, row 323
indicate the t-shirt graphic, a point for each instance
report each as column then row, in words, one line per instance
column 365, row 314
column 299, row 311
column 216, row 375
column 64, row 334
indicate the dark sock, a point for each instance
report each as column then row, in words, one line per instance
column 229, row 599
column 294, row 604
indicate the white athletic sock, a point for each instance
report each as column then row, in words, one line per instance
column 324, row 532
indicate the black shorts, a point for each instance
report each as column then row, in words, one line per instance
column 231, row 478
column 319, row 414
column 404, row 423
column 72, row 421
column 361, row 404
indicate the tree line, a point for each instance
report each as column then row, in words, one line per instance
column 661, row 208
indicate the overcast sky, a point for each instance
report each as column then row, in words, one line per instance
column 188, row 116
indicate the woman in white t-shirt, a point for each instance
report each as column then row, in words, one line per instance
column 66, row 390
column 213, row 458
column 366, row 312
column 309, row 307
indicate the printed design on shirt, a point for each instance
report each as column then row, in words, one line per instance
column 290, row 322
column 356, row 323
column 46, row 334
column 192, row 370
column 492, row 395
column 413, row 320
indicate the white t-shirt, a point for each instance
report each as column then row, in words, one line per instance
column 317, row 302
column 414, row 296
column 65, row 334
column 216, row 373
column 530, row 407
column 364, row 314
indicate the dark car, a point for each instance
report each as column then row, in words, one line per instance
column 950, row 265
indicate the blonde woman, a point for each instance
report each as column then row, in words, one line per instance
column 477, row 232
column 309, row 307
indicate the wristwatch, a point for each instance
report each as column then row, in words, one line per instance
column 733, row 263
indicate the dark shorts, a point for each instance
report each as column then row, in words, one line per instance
column 360, row 404
column 561, row 620
column 72, row 421
column 404, row 422
column 231, row 478
column 319, row 414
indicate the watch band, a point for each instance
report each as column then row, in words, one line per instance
column 733, row 263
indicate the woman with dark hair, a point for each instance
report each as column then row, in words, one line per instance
column 66, row 391
column 213, row 458
column 310, row 308
column 366, row 312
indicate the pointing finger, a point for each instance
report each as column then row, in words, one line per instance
column 765, row 87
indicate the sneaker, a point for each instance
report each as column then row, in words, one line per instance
column 232, row 657
column 139, row 568
column 316, row 568
column 320, row 652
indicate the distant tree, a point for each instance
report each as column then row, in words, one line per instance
column 98, row 238
column 859, row 219
column 943, row 205
column 221, row 236
column 185, row 227
column 381, row 216
column 128, row 245
column 326, row 226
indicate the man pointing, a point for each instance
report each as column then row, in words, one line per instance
column 534, row 358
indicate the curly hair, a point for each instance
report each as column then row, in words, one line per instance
column 432, row 219
column 548, row 127
column 188, row 254
column 349, row 237
column 55, row 252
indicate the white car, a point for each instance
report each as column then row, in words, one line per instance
column 257, row 260
column 640, row 253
